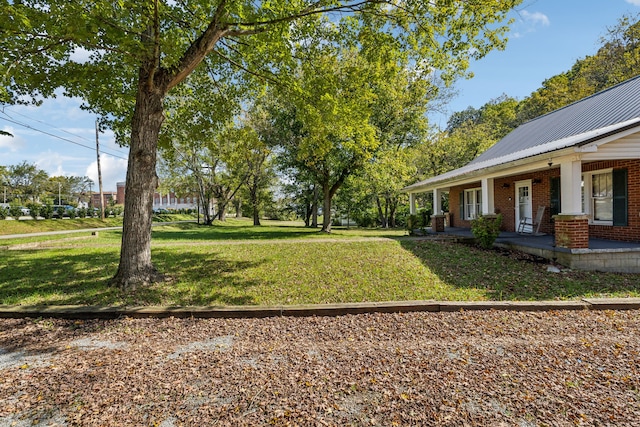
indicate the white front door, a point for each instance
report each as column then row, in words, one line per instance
column 523, row 204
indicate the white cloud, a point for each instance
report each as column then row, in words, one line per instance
column 634, row 2
column 113, row 170
column 536, row 18
column 11, row 144
column 529, row 22
column 54, row 163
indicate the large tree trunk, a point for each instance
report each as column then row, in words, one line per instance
column 221, row 212
column 326, row 209
column 255, row 202
column 393, row 206
column 307, row 214
column 381, row 216
column 135, row 267
column 314, row 208
column 238, row 205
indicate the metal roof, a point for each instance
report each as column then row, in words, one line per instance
column 609, row 107
column 592, row 117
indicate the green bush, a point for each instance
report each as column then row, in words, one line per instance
column 82, row 212
column 425, row 215
column 34, row 209
column 14, row 210
column 46, row 210
column 486, row 229
column 365, row 218
column 72, row 213
column 4, row 212
column 420, row 221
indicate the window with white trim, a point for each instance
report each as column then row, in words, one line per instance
column 597, row 197
column 472, row 203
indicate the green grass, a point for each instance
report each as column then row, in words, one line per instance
column 35, row 226
column 237, row 264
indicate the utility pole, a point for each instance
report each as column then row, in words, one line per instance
column 90, row 195
column 99, row 174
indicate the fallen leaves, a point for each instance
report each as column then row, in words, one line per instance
column 466, row 368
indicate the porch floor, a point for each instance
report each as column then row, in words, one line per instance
column 541, row 241
column 602, row 255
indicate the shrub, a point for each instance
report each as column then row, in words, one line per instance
column 34, row 209
column 15, row 211
column 46, row 210
column 4, row 212
column 82, row 212
column 486, row 229
column 72, row 213
column 365, row 218
column 420, row 221
column 425, row 214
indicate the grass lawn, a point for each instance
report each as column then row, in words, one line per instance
column 283, row 263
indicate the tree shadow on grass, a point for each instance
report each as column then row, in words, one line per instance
column 195, row 232
column 69, row 278
column 509, row 275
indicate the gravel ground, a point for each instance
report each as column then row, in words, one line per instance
column 446, row 369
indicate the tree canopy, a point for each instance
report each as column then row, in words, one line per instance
column 124, row 57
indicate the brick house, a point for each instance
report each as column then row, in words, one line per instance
column 581, row 163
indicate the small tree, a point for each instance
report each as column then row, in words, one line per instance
column 46, row 210
column 15, row 210
column 34, row 209
column 486, row 229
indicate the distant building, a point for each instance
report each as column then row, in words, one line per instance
column 172, row 201
column 120, row 192
column 108, row 197
column 160, row 201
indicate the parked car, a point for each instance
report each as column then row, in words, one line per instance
column 160, row 211
column 64, row 208
column 25, row 211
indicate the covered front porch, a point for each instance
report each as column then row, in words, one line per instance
column 601, row 254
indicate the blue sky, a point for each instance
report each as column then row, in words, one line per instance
column 546, row 39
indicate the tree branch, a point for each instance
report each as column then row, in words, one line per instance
column 309, row 11
column 246, row 70
column 202, row 46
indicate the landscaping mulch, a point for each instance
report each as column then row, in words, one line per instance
column 445, row 369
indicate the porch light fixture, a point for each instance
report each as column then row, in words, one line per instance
column 506, row 185
column 537, row 180
column 550, row 162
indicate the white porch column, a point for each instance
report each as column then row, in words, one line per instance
column 571, row 187
column 488, row 200
column 437, row 201
column 412, row 203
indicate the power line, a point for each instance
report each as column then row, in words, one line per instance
column 57, row 136
column 56, row 128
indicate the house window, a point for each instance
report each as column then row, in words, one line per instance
column 472, row 203
column 597, row 196
column 605, row 196
column 602, row 196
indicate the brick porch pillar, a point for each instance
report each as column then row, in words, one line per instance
column 572, row 231
column 437, row 223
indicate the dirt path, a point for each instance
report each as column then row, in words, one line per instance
column 466, row 368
